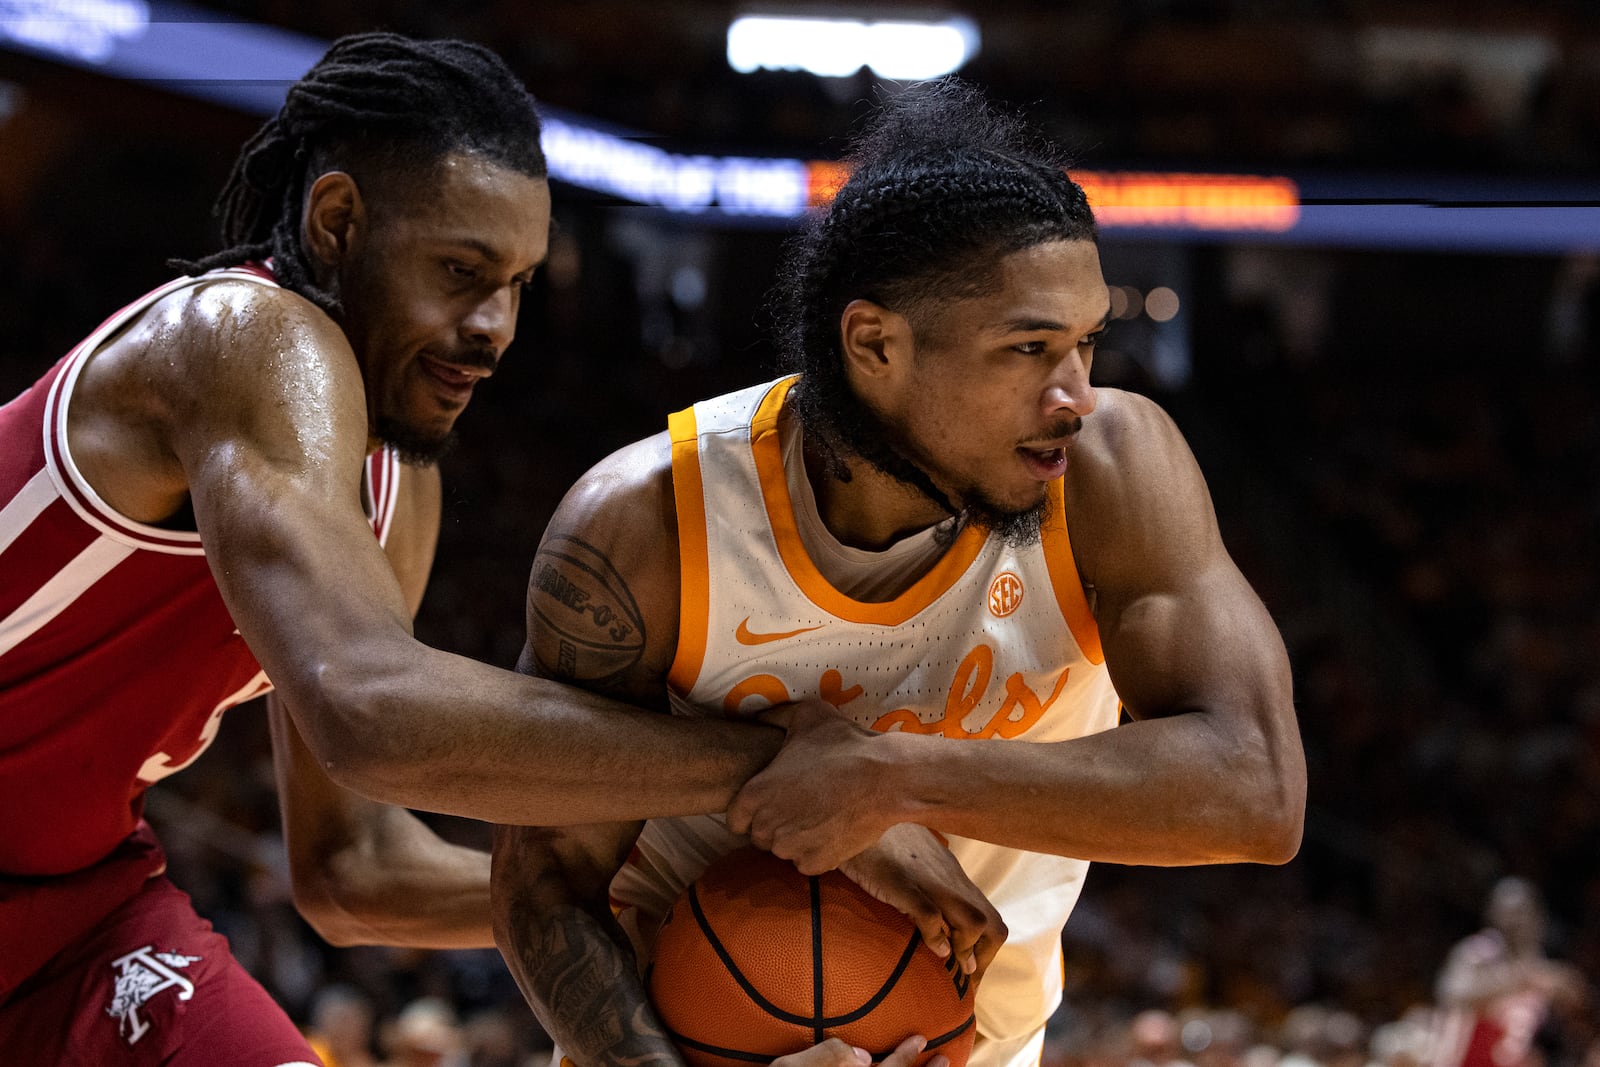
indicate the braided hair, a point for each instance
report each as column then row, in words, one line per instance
column 942, row 186
column 377, row 105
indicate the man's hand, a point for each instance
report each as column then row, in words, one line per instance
column 824, row 798
column 836, row 1053
column 911, row 869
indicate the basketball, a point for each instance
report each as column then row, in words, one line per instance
column 756, row 960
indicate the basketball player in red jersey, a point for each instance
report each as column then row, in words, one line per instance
column 1497, row 987
column 962, row 552
column 207, row 494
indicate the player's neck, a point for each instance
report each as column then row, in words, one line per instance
column 871, row 510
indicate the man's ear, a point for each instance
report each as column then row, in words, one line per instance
column 877, row 342
column 334, row 215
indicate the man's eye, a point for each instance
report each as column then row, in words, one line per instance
column 461, row 270
column 1029, row 348
column 1093, row 339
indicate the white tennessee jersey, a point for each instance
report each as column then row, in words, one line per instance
column 991, row 642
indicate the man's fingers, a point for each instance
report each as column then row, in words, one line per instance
column 740, row 812
column 985, row 952
column 985, row 948
column 831, row 1053
column 975, row 935
column 807, row 861
column 970, row 927
column 907, row 1052
column 934, row 934
column 836, row 1053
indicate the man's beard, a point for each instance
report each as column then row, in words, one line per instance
column 881, row 444
column 1015, row 529
column 416, row 448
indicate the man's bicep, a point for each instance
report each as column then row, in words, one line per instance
column 297, row 564
column 1180, row 626
column 1206, row 644
column 603, row 588
column 274, row 475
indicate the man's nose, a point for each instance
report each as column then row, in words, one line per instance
column 494, row 321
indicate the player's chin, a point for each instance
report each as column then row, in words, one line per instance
column 1016, row 523
column 1011, row 501
column 419, row 442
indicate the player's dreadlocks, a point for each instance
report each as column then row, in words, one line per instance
column 376, row 105
column 942, row 186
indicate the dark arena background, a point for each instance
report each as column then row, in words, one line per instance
column 1355, row 250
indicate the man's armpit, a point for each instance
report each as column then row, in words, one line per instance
column 584, row 625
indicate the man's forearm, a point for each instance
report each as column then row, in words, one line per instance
column 584, row 987
column 1178, row 789
column 408, row 887
column 443, row 733
column 1165, row 791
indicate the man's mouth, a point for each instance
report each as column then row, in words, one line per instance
column 454, row 380
column 1047, row 461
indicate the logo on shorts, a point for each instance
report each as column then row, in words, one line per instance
column 142, row 975
column 1005, row 594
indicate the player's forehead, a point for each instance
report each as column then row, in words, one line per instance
column 466, row 199
column 1054, row 284
column 1068, row 266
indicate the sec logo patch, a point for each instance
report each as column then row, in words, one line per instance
column 1005, row 594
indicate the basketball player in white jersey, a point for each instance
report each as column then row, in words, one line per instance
column 960, row 551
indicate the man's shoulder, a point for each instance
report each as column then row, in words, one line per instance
column 227, row 345
column 1133, row 493
column 1128, row 441
column 1123, row 423
column 632, row 485
column 613, row 544
column 218, row 314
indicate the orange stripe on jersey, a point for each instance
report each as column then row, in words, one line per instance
column 780, row 513
column 694, row 565
column 1064, row 576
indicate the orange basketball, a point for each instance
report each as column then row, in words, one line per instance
column 756, row 961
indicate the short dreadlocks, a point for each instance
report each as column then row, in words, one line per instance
column 376, row 105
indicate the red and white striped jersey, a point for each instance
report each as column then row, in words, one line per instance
column 117, row 654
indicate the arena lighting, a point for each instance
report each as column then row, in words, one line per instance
column 199, row 53
column 731, row 185
column 173, row 45
column 1192, row 201
column 1161, row 304
column 87, row 29
column 900, row 49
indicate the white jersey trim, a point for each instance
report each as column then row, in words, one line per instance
column 384, row 491
column 96, row 561
column 73, row 487
column 27, row 505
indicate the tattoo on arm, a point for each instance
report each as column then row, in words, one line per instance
column 584, row 625
column 588, row 992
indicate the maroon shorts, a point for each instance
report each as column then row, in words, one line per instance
column 150, row 984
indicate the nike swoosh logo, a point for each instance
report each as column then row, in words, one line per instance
column 745, row 636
